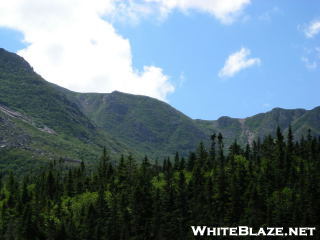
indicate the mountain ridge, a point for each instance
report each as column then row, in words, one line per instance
column 125, row 123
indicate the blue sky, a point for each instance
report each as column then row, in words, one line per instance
column 187, row 49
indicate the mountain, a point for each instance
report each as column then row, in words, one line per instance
column 143, row 123
column 40, row 120
column 258, row 126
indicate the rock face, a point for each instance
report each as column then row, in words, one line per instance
column 36, row 114
column 11, row 135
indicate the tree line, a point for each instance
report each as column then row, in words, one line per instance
column 271, row 182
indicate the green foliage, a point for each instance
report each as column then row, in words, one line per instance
column 272, row 183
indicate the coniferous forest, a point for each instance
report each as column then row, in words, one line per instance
column 272, row 182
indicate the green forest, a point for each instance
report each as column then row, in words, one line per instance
column 271, row 182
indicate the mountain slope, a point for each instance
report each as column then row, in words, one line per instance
column 24, row 90
column 309, row 120
column 33, row 109
column 41, row 120
column 143, row 123
column 258, row 126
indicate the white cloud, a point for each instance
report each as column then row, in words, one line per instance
column 70, row 44
column 237, row 62
column 267, row 15
column 311, row 58
column 224, row 10
column 182, row 79
column 74, row 44
column 311, row 65
column 312, row 29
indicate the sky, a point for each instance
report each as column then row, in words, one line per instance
column 206, row 58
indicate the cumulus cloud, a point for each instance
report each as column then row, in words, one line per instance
column 70, row 44
column 237, row 62
column 75, row 45
column 312, row 29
